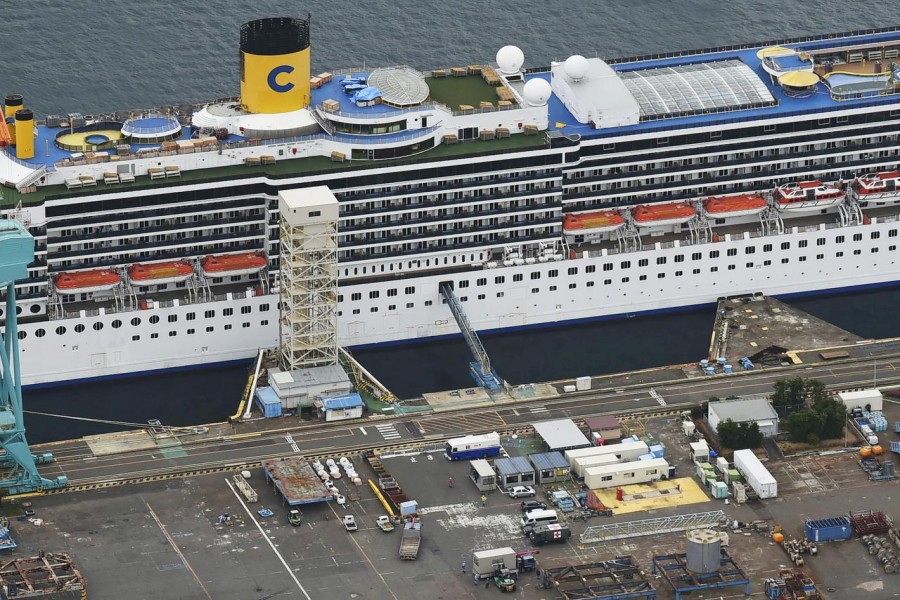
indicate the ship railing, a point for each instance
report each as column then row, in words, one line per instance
column 371, row 114
column 364, row 70
column 337, row 137
column 30, row 165
column 829, row 38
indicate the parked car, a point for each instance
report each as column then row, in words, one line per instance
column 341, row 500
column 521, row 491
column 349, row 522
column 295, row 517
column 532, row 505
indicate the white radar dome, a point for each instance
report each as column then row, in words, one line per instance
column 510, row 59
column 537, row 92
column 576, row 67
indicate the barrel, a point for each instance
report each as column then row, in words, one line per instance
column 728, row 369
column 876, row 450
column 778, row 538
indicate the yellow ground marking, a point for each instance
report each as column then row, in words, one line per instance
column 691, row 493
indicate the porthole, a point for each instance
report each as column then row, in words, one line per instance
column 40, row 333
column 79, row 328
column 35, row 309
column 98, row 326
column 154, row 319
column 116, row 324
column 22, row 335
column 60, row 330
column 136, row 321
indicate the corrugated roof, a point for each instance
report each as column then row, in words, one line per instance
column 338, row 402
column 744, row 409
column 549, row 460
column 513, row 465
column 561, row 434
column 605, row 422
column 267, row 395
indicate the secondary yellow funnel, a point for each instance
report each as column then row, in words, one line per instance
column 25, row 137
column 13, row 103
column 275, row 66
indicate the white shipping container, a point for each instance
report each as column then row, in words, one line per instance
column 569, row 389
column 583, row 383
column 625, row 451
column 592, row 461
column 861, row 399
column 757, row 476
column 614, row 475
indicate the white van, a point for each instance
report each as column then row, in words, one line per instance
column 540, row 516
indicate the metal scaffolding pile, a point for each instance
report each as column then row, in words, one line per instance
column 613, row 579
column 630, row 529
column 49, row 574
column 674, row 568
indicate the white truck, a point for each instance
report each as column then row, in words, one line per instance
column 493, row 562
column 757, row 476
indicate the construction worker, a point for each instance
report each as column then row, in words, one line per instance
column 464, row 567
column 450, row 481
column 483, row 500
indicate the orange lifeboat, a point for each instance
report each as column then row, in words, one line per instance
column 83, row 282
column 5, row 136
column 593, row 222
column 881, row 187
column 805, row 196
column 160, row 273
column 227, row 265
column 726, row 207
column 655, row 215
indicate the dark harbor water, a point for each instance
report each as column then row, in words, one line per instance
column 121, row 54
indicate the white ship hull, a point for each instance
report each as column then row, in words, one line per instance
column 55, row 358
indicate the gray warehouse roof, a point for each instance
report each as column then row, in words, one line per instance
column 743, row 410
column 513, row 465
column 549, row 460
column 561, row 434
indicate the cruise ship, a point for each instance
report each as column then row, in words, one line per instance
column 589, row 188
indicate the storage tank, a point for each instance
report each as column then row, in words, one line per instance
column 703, row 551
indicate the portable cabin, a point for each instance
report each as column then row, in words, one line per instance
column 514, row 471
column 482, row 475
column 550, row 467
column 643, row 471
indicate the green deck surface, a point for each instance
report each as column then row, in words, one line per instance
column 453, row 91
column 286, row 167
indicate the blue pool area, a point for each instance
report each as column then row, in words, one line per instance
column 96, row 139
column 847, row 85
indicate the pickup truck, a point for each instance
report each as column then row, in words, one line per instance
column 349, row 522
column 384, row 523
column 410, row 540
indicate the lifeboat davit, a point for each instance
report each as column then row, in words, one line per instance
column 593, row 222
column 228, row 265
column 741, row 205
column 655, row 215
column 881, row 187
column 84, row 282
column 160, row 273
column 803, row 196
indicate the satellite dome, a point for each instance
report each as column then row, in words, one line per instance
column 576, row 67
column 537, row 92
column 510, row 59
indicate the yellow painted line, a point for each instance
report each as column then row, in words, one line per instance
column 241, row 436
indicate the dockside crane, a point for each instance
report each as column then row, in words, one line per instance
column 16, row 252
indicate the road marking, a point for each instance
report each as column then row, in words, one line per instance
column 363, row 430
column 271, row 545
column 290, row 440
column 655, row 395
column 365, row 556
column 388, row 431
column 538, row 409
column 177, row 549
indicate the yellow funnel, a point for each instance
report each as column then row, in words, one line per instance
column 275, row 66
column 25, row 137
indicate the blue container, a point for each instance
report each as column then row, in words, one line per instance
column 704, row 363
column 723, row 360
column 269, row 402
column 710, row 370
column 897, row 426
column 829, row 530
column 728, row 369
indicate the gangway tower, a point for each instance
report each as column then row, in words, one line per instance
column 16, row 252
column 480, row 368
column 308, row 278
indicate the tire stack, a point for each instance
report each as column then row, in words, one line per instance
column 883, row 551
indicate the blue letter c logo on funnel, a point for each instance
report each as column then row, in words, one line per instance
column 273, row 79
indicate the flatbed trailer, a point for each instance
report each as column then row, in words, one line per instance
column 410, row 540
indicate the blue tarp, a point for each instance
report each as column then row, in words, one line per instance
column 269, row 402
column 366, row 94
column 338, row 402
column 353, row 81
column 354, row 87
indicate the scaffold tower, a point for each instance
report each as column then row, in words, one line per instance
column 308, row 290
